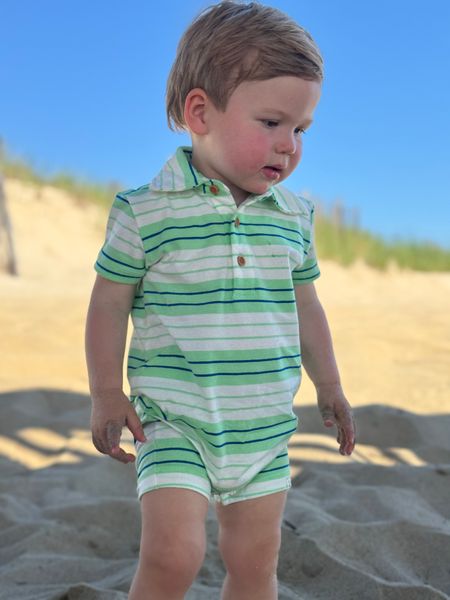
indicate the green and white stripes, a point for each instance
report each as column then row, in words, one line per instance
column 169, row 459
column 215, row 352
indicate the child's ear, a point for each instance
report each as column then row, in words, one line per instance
column 195, row 107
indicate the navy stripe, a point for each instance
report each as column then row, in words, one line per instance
column 114, row 272
column 229, row 233
column 216, row 302
column 267, row 235
column 297, row 279
column 212, row 433
column 215, row 433
column 165, row 462
column 306, row 270
column 119, row 197
column 296, row 231
column 233, row 289
column 192, row 170
column 212, row 374
column 147, row 237
column 239, row 442
column 214, row 362
column 199, row 237
column 274, row 469
column 245, row 430
column 282, row 455
column 120, row 262
column 168, row 450
column 213, row 223
column 253, row 441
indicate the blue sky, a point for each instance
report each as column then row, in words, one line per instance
column 82, row 90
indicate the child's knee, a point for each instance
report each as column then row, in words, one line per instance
column 245, row 557
column 173, row 537
column 176, row 557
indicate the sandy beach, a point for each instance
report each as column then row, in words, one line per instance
column 375, row 526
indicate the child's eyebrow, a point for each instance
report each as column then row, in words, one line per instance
column 279, row 114
column 307, row 123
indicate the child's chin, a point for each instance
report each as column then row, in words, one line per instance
column 262, row 189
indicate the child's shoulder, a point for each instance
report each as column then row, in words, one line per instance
column 139, row 201
column 134, row 195
column 294, row 203
column 174, row 176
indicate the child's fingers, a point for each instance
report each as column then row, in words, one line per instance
column 107, row 439
column 99, row 445
column 135, row 426
column 113, row 449
column 328, row 416
column 101, row 439
column 343, row 420
column 122, row 456
column 338, row 412
column 113, row 432
column 347, row 435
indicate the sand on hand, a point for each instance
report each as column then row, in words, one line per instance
column 375, row 526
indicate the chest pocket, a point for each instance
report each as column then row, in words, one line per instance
column 194, row 267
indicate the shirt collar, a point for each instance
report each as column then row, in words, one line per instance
column 178, row 175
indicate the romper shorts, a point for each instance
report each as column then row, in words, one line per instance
column 168, row 459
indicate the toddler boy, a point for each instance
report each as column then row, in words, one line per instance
column 215, row 262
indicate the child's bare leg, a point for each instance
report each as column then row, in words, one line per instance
column 249, row 541
column 173, row 544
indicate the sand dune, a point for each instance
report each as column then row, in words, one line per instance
column 372, row 527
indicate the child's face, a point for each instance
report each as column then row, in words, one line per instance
column 257, row 141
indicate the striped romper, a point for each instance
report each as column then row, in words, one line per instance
column 214, row 361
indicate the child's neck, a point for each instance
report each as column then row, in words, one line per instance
column 239, row 195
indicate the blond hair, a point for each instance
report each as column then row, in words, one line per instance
column 231, row 42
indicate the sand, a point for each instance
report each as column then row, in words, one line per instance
column 370, row 527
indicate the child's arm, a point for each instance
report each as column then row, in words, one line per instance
column 320, row 364
column 106, row 331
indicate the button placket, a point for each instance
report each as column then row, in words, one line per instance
column 241, row 258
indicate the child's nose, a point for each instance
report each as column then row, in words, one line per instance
column 287, row 144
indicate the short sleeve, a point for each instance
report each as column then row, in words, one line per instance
column 122, row 257
column 309, row 270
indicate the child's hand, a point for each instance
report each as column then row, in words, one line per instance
column 335, row 410
column 111, row 411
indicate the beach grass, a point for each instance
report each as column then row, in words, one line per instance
column 338, row 236
column 82, row 190
column 339, row 240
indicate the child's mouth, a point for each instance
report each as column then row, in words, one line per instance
column 272, row 173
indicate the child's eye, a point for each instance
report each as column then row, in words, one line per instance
column 299, row 131
column 270, row 123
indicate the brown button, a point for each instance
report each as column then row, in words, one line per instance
column 241, row 261
column 237, row 222
column 213, row 189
